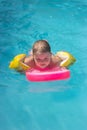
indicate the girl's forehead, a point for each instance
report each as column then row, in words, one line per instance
column 46, row 54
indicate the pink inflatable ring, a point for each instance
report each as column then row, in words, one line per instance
column 48, row 75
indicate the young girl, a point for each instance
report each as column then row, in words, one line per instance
column 41, row 57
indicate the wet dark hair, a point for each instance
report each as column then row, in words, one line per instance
column 41, row 46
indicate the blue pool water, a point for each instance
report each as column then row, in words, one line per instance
column 57, row 105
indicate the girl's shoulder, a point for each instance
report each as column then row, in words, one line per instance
column 56, row 59
column 29, row 60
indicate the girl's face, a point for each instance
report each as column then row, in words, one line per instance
column 42, row 60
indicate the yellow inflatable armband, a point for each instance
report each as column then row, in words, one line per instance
column 24, row 66
column 67, row 58
column 17, row 65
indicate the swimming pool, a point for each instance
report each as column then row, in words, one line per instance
column 58, row 105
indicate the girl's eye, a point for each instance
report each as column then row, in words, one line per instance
column 38, row 60
column 42, row 60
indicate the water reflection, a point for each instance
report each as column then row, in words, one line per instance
column 54, row 86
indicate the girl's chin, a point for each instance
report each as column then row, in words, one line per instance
column 42, row 67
